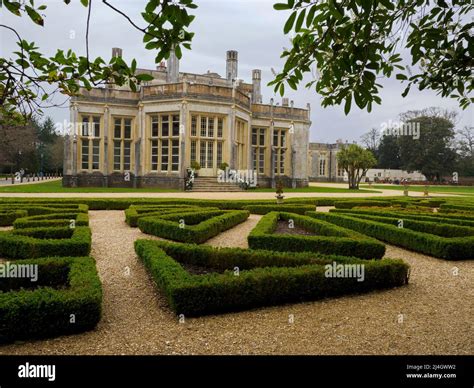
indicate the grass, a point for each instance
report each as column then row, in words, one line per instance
column 56, row 187
column 465, row 190
column 314, row 189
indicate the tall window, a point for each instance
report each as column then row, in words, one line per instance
column 90, row 142
column 122, row 141
column 207, row 133
column 258, row 149
column 241, row 140
column 279, row 144
column 322, row 167
column 164, row 143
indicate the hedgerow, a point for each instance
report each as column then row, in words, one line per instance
column 328, row 238
column 52, row 220
column 195, row 227
column 135, row 212
column 454, row 248
column 66, row 299
column 46, row 241
column 269, row 278
column 292, row 208
column 414, row 215
column 7, row 217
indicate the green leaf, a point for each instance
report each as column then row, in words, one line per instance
column 85, row 3
column 347, row 105
column 35, row 16
column 401, row 77
column 310, row 17
column 300, row 20
column 289, row 23
column 144, row 77
column 281, row 6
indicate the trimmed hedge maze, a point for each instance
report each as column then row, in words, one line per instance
column 54, row 243
column 66, row 300
column 264, row 278
column 135, row 212
column 431, row 236
column 191, row 226
column 325, row 237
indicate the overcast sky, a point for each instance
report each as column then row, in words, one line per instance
column 251, row 27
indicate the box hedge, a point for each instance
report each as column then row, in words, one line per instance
column 52, row 220
column 413, row 215
column 67, row 299
column 196, row 227
column 455, row 248
column 265, row 283
column 291, row 208
column 135, row 212
column 328, row 239
column 47, row 241
column 7, row 217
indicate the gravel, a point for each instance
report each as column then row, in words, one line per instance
column 432, row 315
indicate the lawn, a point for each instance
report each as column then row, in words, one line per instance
column 462, row 190
column 56, row 187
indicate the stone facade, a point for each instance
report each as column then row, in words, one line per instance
column 150, row 137
column 322, row 162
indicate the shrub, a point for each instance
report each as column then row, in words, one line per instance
column 134, row 213
column 265, row 283
column 455, row 248
column 365, row 203
column 415, row 215
column 52, row 220
column 439, row 229
column 264, row 209
column 41, row 242
column 329, row 239
column 198, row 226
column 9, row 216
column 67, row 287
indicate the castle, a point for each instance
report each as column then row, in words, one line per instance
column 149, row 138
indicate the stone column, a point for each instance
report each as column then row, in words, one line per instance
column 76, row 126
column 183, row 130
column 105, row 169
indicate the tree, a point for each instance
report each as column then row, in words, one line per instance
column 466, row 141
column 352, row 43
column 465, row 149
column 389, row 153
column 56, row 154
column 371, row 141
column 22, row 77
column 433, row 152
column 17, row 140
column 355, row 160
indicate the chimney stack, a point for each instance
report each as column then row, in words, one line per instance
column 257, row 86
column 285, row 101
column 172, row 67
column 116, row 52
column 232, row 65
column 161, row 66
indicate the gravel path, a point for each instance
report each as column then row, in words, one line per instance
column 436, row 310
column 237, row 236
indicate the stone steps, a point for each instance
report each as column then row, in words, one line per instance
column 212, row 185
